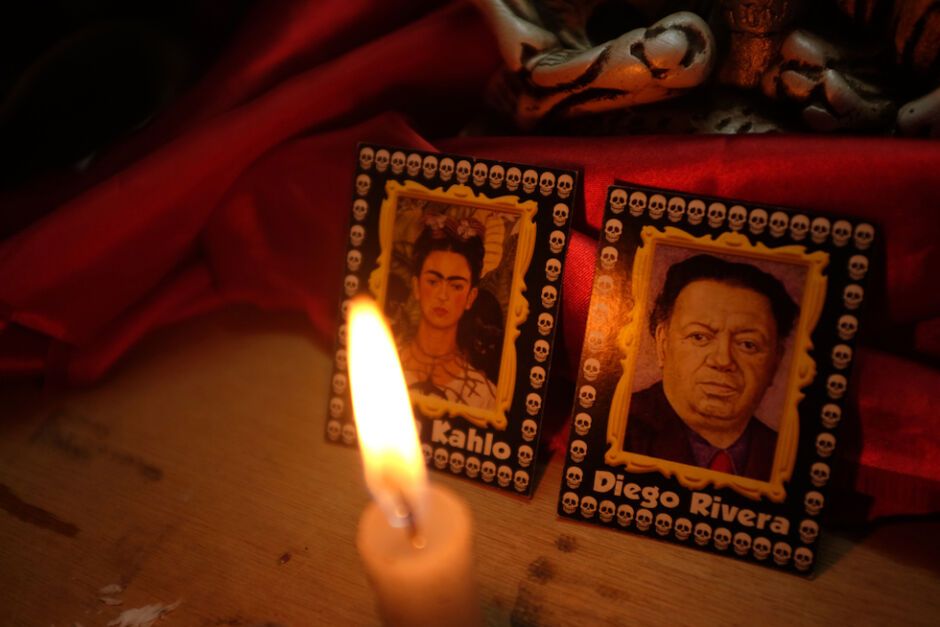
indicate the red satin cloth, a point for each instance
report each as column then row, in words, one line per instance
column 241, row 192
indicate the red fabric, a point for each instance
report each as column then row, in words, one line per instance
column 721, row 462
column 241, row 192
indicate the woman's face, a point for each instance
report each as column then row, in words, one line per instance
column 443, row 288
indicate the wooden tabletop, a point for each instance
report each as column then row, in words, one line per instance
column 197, row 473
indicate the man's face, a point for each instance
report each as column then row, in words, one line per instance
column 443, row 288
column 718, row 352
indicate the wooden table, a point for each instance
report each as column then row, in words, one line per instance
column 197, row 472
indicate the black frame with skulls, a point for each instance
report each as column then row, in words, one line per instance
column 655, row 499
column 534, row 206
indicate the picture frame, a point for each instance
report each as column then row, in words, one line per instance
column 464, row 256
column 717, row 354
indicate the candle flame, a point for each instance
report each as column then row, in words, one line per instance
column 391, row 454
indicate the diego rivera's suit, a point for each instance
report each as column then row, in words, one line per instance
column 655, row 429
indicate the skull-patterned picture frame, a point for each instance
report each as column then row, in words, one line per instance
column 465, row 258
column 713, row 376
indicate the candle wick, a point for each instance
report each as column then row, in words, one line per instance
column 418, row 540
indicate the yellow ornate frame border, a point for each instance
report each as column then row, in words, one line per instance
column 518, row 309
column 802, row 367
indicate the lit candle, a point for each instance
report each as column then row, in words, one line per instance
column 414, row 540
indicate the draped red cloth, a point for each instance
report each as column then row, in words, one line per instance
column 240, row 194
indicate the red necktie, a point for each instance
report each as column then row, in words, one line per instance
column 721, row 462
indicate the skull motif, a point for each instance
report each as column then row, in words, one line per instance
column 825, row 444
column 588, row 506
column 533, row 403
column 456, row 462
column 573, row 477
column 349, row 433
column 479, row 173
column 605, row 284
column 545, row 323
column 356, row 234
column 366, row 157
column 350, row 284
column 472, row 467
column 540, row 350
column 644, row 518
column 537, row 377
column 683, row 528
column 333, row 430
column 546, row 183
column 520, row 480
column 530, row 179
column 446, row 170
column 381, row 160
column 341, row 334
column 549, row 295
column 488, row 471
column 676, row 209
column 552, row 269
column 609, row 257
column 606, row 510
column 565, row 185
column 814, row 502
column 569, row 502
column 819, row 474
column 398, row 162
column 799, row 227
column 353, row 260
column 758, row 221
column 663, row 524
column 819, row 230
column 841, row 356
column 836, row 385
column 778, row 223
column 592, row 368
column 702, row 533
column 341, row 359
column 578, row 450
column 582, row 423
column 841, row 232
column 497, row 174
column 513, row 178
column 637, row 203
column 852, row 296
column 586, row 396
column 529, row 429
column 339, row 384
column 864, row 234
column 761, row 548
column 802, row 558
column 618, row 200
column 344, row 309
column 429, row 166
column 624, row 515
column 504, row 476
column 657, row 206
column 696, row 211
column 722, row 539
column 360, row 209
column 742, row 543
column 595, row 341
column 847, row 326
column 560, row 214
column 737, row 217
column 556, row 241
column 831, row 415
column 413, row 164
column 809, row 531
column 440, row 458
column 782, row 553
column 363, row 183
column 525, row 455
column 613, row 230
column 463, row 171
column 858, row 267
column 716, row 214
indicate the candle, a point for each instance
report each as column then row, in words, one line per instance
column 414, row 540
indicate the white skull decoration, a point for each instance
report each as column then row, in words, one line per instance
column 545, row 323
column 618, row 200
column 463, row 171
column 702, row 533
column 799, row 227
column 565, row 185
column 637, row 203
column 683, row 528
column 537, row 377
column 595, row 341
column 350, row 284
column 513, row 178
column 819, row 474
column 663, row 524
column 560, row 214
column 813, row 502
column 758, row 221
column 737, row 216
column 676, row 209
column 546, row 183
column 456, row 462
column 657, row 206
column 333, row 430
column 573, row 477
column 349, row 433
column 778, row 223
column 696, row 211
column 440, row 458
column 552, row 269
column 520, row 480
column 533, row 403
column 809, row 531
column 852, row 296
column 569, row 502
column 644, row 518
column 341, row 359
column 606, row 510
column 841, row 356
column 525, row 455
column 540, row 350
column 588, row 506
column 479, row 174
column 529, row 429
column 613, row 230
column 472, row 467
column 836, row 385
column 353, row 260
column 339, row 384
column 497, row 175
column 825, row 444
column 556, row 241
column 530, row 179
column 488, row 471
column 341, row 334
column 578, row 450
column 356, row 234
column 605, row 284
column 761, row 548
column 504, row 476
column 363, row 183
column 841, row 232
column 782, row 553
column 381, row 160
column 360, row 209
column 716, row 214
column 592, row 368
column 858, row 267
column 413, row 164
column 429, row 166
column 446, row 170
column 831, row 415
column 549, row 295
column 819, row 230
column 609, row 257
column 582, row 423
column 366, row 157
column 848, row 326
column 722, row 539
column 864, row 234
column 742, row 543
column 624, row 515
column 398, row 162
column 587, row 396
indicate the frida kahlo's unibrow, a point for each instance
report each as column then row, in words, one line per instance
column 455, row 277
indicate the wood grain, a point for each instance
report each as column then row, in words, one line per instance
column 198, row 472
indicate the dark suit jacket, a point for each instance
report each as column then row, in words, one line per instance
column 655, row 429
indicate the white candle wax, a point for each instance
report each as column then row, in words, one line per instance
column 430, row 585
